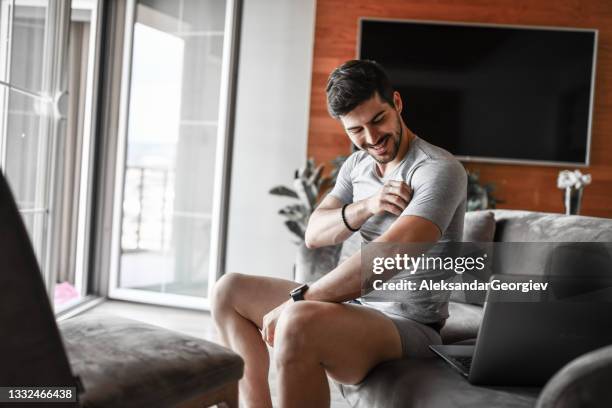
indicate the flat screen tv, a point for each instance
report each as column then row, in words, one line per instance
column 491, row 93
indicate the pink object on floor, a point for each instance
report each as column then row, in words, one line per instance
column 64, row 292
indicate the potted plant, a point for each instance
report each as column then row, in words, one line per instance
column 479, row 197
column 572, row 183
column 308, row 183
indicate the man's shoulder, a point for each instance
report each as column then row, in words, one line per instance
column 428, row 152
column 358, row 160
column 435, row 163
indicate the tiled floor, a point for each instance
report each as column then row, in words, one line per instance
column 194, row 323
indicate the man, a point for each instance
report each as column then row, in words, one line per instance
column 397, row 188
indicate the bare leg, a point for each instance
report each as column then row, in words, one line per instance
column 317, row 338
column 238, row 305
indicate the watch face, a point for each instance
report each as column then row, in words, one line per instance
column 297, row 293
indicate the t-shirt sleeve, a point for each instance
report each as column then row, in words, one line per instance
column 438, row 189
column 343, row 189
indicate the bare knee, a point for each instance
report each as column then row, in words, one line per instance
column 295, row 332
column 224, row 294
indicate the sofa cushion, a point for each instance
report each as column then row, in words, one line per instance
column 429, row 382
column 530, row 226
column 564, row 242
column 479, row 226
column 122, row 362
column 463, row 322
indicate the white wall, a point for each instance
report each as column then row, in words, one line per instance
column 271, row 131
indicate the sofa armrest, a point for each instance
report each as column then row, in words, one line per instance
column 584, row 382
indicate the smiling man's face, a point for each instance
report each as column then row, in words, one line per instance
column 376, row 127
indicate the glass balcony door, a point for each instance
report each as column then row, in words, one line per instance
column 47, row 56
column 170, row 182
column 27, row 122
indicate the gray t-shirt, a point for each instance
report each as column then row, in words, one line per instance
column 439, row 189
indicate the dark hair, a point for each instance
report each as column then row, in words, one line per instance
column 354, row 82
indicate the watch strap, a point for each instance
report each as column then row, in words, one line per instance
column 297, row 294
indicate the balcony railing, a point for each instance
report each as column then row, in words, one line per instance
column 147, row 209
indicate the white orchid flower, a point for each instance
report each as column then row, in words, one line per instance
column 573, row 179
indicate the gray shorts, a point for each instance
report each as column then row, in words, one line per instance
column 415, row 336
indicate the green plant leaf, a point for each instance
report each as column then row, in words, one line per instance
column 307, row 184
column 323, row 181
column 295, row 228
column 480, row 196
column 305, row 192
column 297, row 213
column 283, row 191
column 316, row 175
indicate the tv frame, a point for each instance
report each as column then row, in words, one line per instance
column 479, row 159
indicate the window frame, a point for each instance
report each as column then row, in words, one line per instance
column 222, row 166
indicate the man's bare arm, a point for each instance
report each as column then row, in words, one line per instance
column 326, row 227
column 344, row 282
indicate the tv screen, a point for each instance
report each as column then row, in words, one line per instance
column 491, row 93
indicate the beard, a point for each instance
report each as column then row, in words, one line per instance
column 396, row 137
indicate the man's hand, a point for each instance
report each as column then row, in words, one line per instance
column 269, row 323
column 393, row 198
column 325, row 226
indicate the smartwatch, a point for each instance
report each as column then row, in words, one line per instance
column 297, row 294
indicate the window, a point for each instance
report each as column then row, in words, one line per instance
column 75, row 156
column 45, row 114
column 171, row 179
column 168, row 209
column 26, row 120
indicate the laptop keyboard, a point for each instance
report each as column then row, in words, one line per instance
column 465, row 362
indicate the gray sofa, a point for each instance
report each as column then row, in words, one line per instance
column 430, row 382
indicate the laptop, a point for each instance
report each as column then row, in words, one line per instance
column 524, row 343
column 31, row 349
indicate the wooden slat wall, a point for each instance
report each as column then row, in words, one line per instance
column 519, row 186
